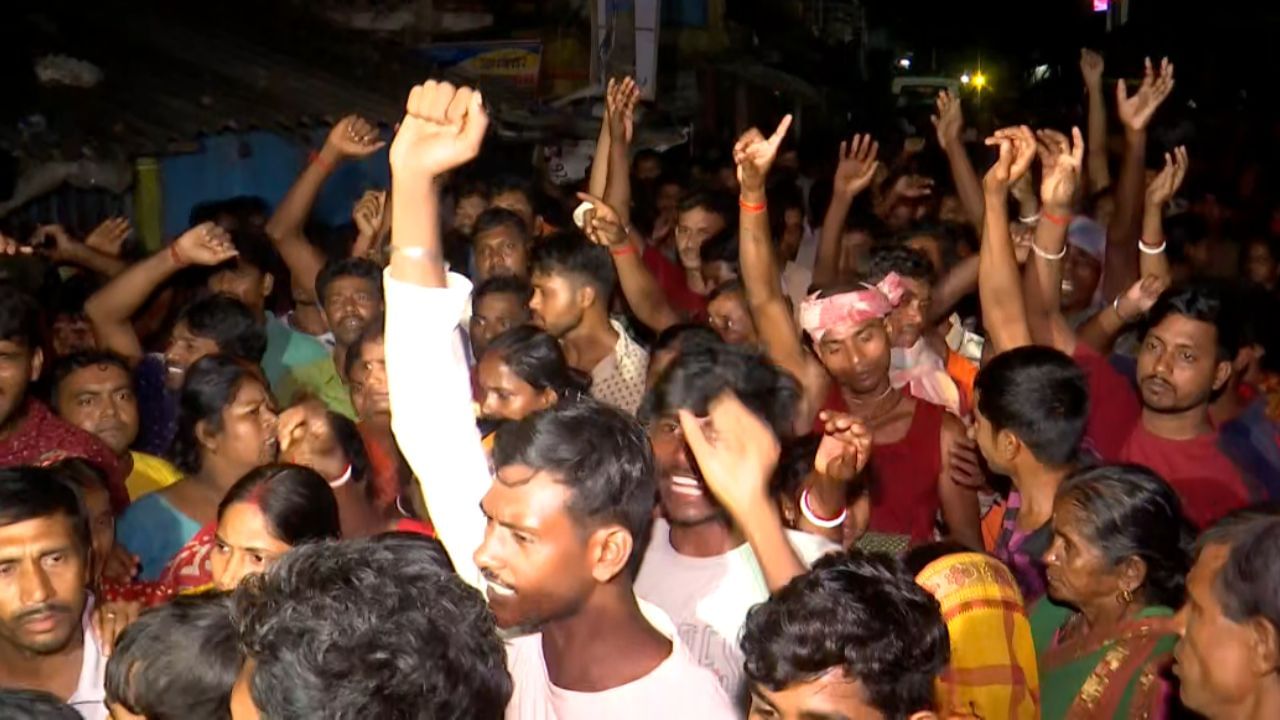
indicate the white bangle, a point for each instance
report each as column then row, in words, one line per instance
column 809, row 515
column 1147, row 249
column 1030, row 219
column 1036, row 249
column 414, row 252
column 1115, row 305
column 343, row 479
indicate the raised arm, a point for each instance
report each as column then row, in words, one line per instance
column 622, row 98
column 111, row 309
column 1120, row 268
column 1091, row 67
column 1061, row 164
column 427, row 373
column 604, row 227
column 63, row 249
column 855, row 169
column 737, row 461
column 999, row 289
column 1152, row 260
column 949, row 122
column 351, row 137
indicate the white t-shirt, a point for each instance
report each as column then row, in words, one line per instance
column 677, row 688
column 708, row 598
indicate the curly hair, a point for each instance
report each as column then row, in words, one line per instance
column 860, row 613
column 369, row 629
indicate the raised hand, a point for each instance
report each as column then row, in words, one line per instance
column 54, row 242
column 736, row 457
column 1017, row 150
column 621, row 97
column 1140, row 297
column 368, row 211
column 845, row 447
column 443, row 128
column 912, row 187
column 108, row 238
column 754, row 155
column 949, row 122
column 110, row 619
column 205, row 244
column 1136, row 111
column 602, row 225
column 9, row 246
column 1091, row 67
column 857, row 165
column 353, row 137
column 306, row 438
column 1061, row 161
column 1166, row 184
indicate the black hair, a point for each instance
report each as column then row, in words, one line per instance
column 18, row 704
column 731, row 286
column 537, row 358
column 699, row 375
column 721, row 247
column 498, row 284
column 371, row 629
column 229, row 323
column 374, row 332
column 30, row 493
column 794, row 465
column 499, row 217
column 571, row 253
column 1132, row 512
column 471, row 187
column 685, row 335
column 863, row 614
column 19, row 317
column 600, row 453
column 209, row 388
column 1259, row 309
column 359, row 267
column 646, row 154
column 1041, row 396
column 1206, row 302
column 711, row 201
column 65, row 366
column 921, row 556
column 347, row 433
column 1248, row 586
column 177, row 661
column 82, row 475
column 298, row 504
column 511, row 183
column 906, row 261
column 239, row 208
column 253, row 249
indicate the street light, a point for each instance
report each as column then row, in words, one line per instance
column 965, row 78
column 979, row 80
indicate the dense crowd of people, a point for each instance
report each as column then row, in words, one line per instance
column 872, row 445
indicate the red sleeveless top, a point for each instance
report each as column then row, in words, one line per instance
column 904, row 474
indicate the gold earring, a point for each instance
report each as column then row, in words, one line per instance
column 1126, row 596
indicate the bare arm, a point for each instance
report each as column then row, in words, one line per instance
column 856, row 168
column 111, row 309
column 1003, row 313
column 1152, row 259
column 1091, row 67
column 646, row 299
column 959, row 503
column 1120, row 268
column 949, row 123
column 959, row 281
column 63, row 249
column 350, row 137
column 623, row 96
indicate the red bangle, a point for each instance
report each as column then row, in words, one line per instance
column 174, row 256
column 316, row 158
column 625, row 249
column 750, row 207
column 1055, row 219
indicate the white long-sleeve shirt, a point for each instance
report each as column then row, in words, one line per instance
column 433, row 421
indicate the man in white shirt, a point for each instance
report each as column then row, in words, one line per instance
column 46, row 640
column 700, row 568
column 567, row 512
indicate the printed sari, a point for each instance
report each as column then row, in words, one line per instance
column 190, row 571
column 1118, row 677
column 992, row 673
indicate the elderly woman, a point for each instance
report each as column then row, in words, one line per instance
column 1116, row 567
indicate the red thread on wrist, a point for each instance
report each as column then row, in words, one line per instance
column 750, row 207
column 174, row 256
column 315, row 157
column 626, row 248
column 1055, row 219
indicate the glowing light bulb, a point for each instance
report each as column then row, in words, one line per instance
column 979, row 81
column 966, row 79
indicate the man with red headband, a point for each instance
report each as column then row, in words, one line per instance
column 910, row 475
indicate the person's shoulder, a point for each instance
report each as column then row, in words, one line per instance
column 810, row 547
